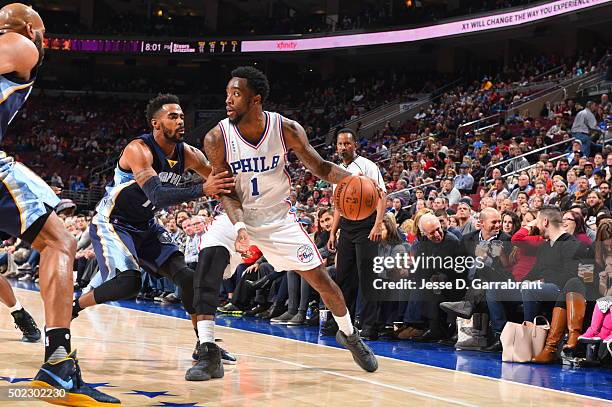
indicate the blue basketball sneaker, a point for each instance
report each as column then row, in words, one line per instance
column 66, row 374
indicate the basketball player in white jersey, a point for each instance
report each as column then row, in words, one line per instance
column 253, row 144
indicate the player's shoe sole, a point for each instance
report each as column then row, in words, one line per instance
column 71, row 399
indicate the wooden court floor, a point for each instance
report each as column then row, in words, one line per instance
column 145, row 355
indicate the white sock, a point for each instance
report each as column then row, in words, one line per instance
column 344, row 323
column 206, row 331
column 16, row 307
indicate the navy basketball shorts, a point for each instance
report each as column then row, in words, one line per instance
column 119, row 246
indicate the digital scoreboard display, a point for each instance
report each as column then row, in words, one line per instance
column 166, row 47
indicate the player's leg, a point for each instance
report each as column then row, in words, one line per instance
column 23, row 320
column 292, row 249
column 125, row 285
column 117, row 259
column 347, row 335
column 209, row 274
column 180, row 274
column 57, row 248
column 177, row 270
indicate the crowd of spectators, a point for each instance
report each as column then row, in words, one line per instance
column 86, row 130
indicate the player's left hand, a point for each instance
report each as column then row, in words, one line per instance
column 376, row 232
column 243, row 241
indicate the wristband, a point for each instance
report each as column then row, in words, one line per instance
column 238, row 226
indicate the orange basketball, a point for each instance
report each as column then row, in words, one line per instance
column 356, row 197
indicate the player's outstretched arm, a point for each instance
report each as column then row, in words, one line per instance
column 296, row 139
column 17, row 54
column 215, row 184
column 138, row 158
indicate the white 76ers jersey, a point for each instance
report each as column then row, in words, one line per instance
column 261, row 178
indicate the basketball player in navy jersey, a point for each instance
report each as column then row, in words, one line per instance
column 26, row 210
column 125, row 235
column 253, row 144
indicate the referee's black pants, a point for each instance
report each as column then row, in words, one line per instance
column 354, row 269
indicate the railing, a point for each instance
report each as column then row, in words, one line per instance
column 562, row 85
column 528, row 153
column 409, row 189
column 86, row 198
column 508, row 175
column 365, row 116
column 476, row 124
column 398, row 147
column 108, row 164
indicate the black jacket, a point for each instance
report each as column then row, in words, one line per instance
column 564, row 202
column 494, row 268
column 558, row 263
column 450, row 247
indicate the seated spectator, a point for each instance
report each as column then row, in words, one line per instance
column 493, row 246
column 572, row 182
column 422, row 318
column 510, row 222
column 465, row 222
column 526, row 242
column 557, row 267
column 398, row 210
column 595, row 204
column 516, row 164
column 560, row 197
column 573, row 224
column 582, row 190
column 464, row 182
column 449, row 191
column 521, row 186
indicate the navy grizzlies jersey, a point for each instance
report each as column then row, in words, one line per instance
column 13, row 94
column 125, row 201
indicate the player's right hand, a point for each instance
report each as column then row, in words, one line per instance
column 243, row 241
column 331, row 243
column 218, row 184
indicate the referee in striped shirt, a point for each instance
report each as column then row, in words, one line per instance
column 357, row 244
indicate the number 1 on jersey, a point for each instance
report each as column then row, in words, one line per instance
column 255, row 188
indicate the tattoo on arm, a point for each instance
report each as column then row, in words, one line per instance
column 142, row 176
column 214, row 146
column 296, row 139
